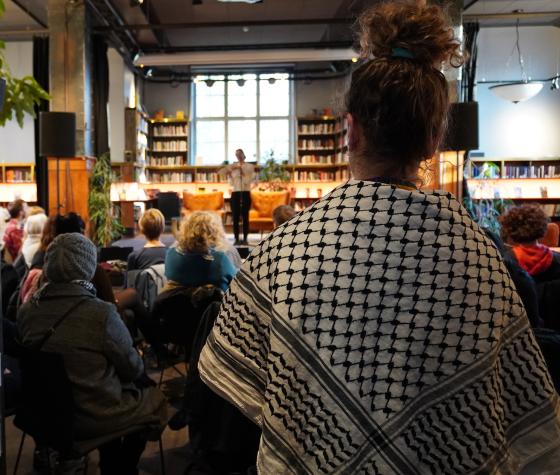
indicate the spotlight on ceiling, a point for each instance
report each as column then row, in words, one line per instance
column 271, row 81
column 209, row 82
column 149, row 73
column 240, row 82
column 136, row 3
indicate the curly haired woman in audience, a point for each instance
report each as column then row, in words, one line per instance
column 379, row 331
column 195, row 261
column 522, row 227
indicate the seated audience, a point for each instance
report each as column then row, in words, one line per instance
column 194, row 262
column 152, row 224
column 378, row 331
column 522, row 227
column 32, row 232
column 281, row 214
column 13, row 235
column 100, row 361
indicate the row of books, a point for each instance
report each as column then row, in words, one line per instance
column 176, row 161
column 170, row 146
column 532, row 171
column 325, row 128
column 169, row 130
column 169, row 177
column 316, row 144
column 320, row 159
column 18, row 176
column 339, row 175
column 212, row 177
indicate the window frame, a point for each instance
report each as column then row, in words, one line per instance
column 257, row 118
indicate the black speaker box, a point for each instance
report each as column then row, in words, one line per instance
column 2, row 92
column 462, row 130
column 57, row 134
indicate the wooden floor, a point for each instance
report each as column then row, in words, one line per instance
column 173, row 442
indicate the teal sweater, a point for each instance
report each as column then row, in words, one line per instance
column 194, row 269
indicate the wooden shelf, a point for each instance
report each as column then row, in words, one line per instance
column 169, row 120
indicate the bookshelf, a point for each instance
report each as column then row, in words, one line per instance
column 17, row 173
column 321, row 140
column 521, row 180
column 168, row 149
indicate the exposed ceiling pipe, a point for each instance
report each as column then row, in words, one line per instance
column 233, row 24
column 29, row 13
column 23, row 32
column 510, row 16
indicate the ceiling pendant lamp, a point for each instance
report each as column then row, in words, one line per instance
column 518, row 91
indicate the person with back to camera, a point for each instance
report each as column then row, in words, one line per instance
column 101, row 364
column 521, row 228
column 378, row 331
column 241, row 176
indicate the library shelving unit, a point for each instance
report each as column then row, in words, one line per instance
column 530, row 180
column 136, row 139
column 168, row 148
column 17, row 173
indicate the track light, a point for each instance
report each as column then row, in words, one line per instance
column 240, row 82
column 271, row 81
column 149, row 73
column 136, row 3
column 209, row 82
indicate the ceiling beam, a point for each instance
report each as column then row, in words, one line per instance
column 240, row 47
column 29, row 12
column 152, row 18
column 510, row 16
column 225, row 24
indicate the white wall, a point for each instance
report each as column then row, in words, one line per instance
column 319, row 95
column 528, row 129
column 164, row 96
column 18, row 144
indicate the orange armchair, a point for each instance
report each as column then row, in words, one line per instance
column 551, row 237
column 213, row 201
column 263, row 203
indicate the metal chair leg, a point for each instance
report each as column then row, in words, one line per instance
column 161, row 457
column 20, row 450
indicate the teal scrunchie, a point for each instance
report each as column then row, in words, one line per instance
column 402, row 53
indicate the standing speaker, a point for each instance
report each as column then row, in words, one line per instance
column 462, row 130
column 57, row 134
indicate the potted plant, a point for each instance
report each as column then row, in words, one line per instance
column 273, row 176
column 17, row 96
column 104, row 226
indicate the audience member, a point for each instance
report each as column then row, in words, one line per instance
column 13, row 235
column 99, row 358
column 220, row 242
column 282, row 214
column 4, row 218
column 152, row 224
column 375, row 331
column 522, row 227
column 32, row 232
column 194, row 262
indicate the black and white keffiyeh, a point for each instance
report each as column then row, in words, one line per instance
column 378, row 332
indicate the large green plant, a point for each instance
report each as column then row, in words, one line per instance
column 20, row 95
column 105, row 227
column 273, row 176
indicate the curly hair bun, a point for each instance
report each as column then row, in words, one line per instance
column 422, row 30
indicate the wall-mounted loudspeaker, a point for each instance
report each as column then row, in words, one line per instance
column 57, row 134
column 2, row 91
column 462, row 130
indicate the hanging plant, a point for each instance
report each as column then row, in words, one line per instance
column 20, row 95
column 105, row 226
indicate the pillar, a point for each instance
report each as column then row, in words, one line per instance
column 70, row 67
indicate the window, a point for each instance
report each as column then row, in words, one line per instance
column 247, row 111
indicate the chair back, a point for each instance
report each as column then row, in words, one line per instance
column 169, row 205
column 47, row 406
column 179, row 311
column 552, row 235
column 213, row 201
column 265, row 202
column 114, row 253
column 148, row 283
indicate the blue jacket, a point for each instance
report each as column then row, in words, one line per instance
column 192, row 269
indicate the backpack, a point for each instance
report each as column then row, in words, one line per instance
column 148, row 283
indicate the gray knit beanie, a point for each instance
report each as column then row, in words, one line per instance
column 70, row 257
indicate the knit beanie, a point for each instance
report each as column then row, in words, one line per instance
column 70, row 257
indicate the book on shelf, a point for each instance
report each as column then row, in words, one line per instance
column 317, row 159
column 168, row 177
column 531, row 171
column 314, row 176
column 209, row 177
column 164, row 130
column 316, row 144
column 18, row 176
column 170, row 146
column 176, row 161
column 317, row 128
